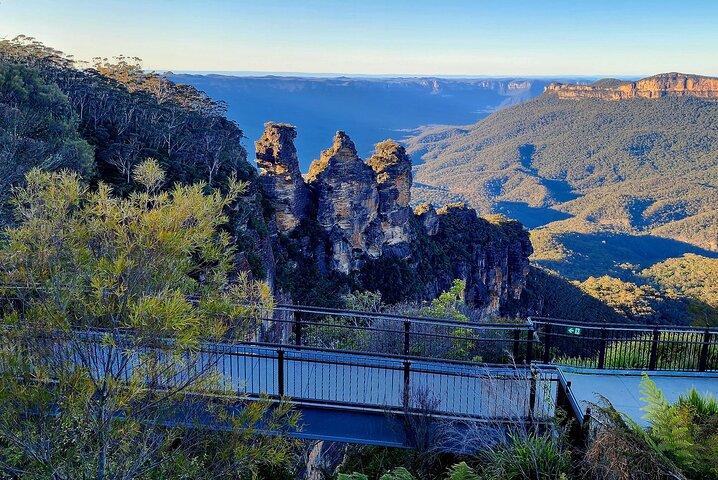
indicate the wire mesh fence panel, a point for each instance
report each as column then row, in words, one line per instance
column 352, row 331
column 626, row 346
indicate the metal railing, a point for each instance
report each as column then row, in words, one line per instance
column 385, row 333
column 310, row 376
column 381, row 382
column 626, row 346
column 539, row 339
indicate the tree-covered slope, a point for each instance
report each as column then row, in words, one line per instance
column 620, row 193
column 103, row 121
column 638, row 165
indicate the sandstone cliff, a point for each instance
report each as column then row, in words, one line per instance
column 662, row 85
column 393, row 177
column 491, row 255
column 347, row 204
column 353, row 218
column 280, row 176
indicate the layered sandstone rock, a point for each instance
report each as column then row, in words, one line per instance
column 280, row 175
column 347, row 203
column 392, row 167
column 494, row 260
column 657, row 86
column 428, row 217
column 364, row 221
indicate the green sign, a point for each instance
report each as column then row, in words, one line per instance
column 574, row 330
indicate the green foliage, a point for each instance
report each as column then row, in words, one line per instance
column 686, row 431
column 689, row 276
column 352, row 476
column 105, row 121
column 37, row 129
column 394, row 278
column 558, row 297
column 364, row 301
column 590, row 177
column 461, row 471
column 85, row 259
column 447, row 304
column 150, row 175
column 526, row 457
column 129, row 115
column 600, row 162
column 637, row 303
column 620, row 449
column 399, row 473
column 703, row 405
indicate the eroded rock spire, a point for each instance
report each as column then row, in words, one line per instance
column 280, row 175
column 347, row 203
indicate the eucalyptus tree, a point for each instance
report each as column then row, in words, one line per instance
column 111, row 303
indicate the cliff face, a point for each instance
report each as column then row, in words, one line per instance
column 355, row 218
column 280, row 176
column 493, row 258
column 665, row 84
column 347, row 204
column 392, row 167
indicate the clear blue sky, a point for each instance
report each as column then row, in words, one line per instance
column 469, row 37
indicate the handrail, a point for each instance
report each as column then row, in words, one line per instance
column 389, row 356
column 417, row 337
column 619, row 326
column 391, row 316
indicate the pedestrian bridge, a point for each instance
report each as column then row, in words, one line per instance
column 371, row 398
column 372, row 378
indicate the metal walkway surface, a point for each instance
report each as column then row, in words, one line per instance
column 368, row 398
column 622, row 387
column 364, row 377
column 357, row 397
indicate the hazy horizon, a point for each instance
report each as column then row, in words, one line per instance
column 252, row 73
column 375, row 37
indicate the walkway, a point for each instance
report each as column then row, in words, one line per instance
column 622, row 387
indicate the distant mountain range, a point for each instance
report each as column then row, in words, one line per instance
column 617, row 174
column 370, row 109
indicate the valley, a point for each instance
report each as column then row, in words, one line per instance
column 371, row 109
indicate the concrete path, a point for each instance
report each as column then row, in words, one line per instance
column 623, row 389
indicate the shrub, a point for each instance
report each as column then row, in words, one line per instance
column 461, row 471
column 619, row 449
column 529, row 457
column 399, row 473
column 685, row 431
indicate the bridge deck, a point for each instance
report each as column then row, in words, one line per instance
column 345, row 379
column 622, row 387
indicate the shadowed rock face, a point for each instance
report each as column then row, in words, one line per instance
column 347, row 204
column 280, row 176
column 363, row 214
column 495, row 257
column 393, row 176
column 665, row 84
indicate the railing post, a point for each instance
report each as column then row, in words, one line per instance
column 532, row 396
column 562, row 392
column 703, row 361
column 586, row 424
column 602, row 349
column 280, row 372
column 547, row 337
column 297, row 328
column 407, row 333
column 653, row 360
column 530, row 344
column 517, row 341
column 407, row 371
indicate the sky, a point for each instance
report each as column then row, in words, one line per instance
column 410, row 37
